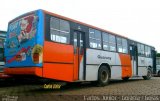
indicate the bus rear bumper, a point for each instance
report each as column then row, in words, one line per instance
column 37, row 71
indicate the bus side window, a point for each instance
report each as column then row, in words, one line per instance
column 149, row 51
column 95, row 38
column 59, row 30
column 112, row 43
column 146, row 51
column 141, row 51
column 125, row 45
column 122, row 45
column 105, row 41
column 119, row 44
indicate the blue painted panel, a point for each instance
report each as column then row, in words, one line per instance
column 24, row 41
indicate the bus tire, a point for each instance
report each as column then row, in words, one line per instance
column 149, row 75
column 103, row 76
column 125, row 78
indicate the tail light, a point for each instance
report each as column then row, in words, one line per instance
column 37, row 53
column 36, row 57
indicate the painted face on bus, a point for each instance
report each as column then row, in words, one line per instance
column 24, row 24
column 26, row 28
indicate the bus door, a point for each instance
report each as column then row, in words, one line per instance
column 79, row 55
column 134, row 59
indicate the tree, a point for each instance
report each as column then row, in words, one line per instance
column 158, row 55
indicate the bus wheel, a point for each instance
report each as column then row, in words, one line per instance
column 149, row 75
column 125, row 78
column 103, row 76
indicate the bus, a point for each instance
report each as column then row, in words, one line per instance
column 47, row 45
column 2, row 39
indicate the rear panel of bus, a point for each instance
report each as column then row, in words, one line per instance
column 24, row 44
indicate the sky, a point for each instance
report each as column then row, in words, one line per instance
column 136, row 19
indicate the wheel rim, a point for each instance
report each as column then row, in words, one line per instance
column 104, row 76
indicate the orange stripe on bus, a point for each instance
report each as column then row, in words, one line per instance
column 126, row 65
column 58, row 71
column 56, row 52
column 58, row 61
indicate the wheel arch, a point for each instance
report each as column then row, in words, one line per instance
column 107, row 66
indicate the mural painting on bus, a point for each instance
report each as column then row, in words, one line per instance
column 28, row 29
column 21, row 40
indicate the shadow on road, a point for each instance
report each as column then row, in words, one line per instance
column 40, row 87
column 76, row 86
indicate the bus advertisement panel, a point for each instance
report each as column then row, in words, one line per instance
column 22, row 42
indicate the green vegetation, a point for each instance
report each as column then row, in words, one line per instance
column 158, row 55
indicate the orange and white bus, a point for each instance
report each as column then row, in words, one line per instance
column 48, row 45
